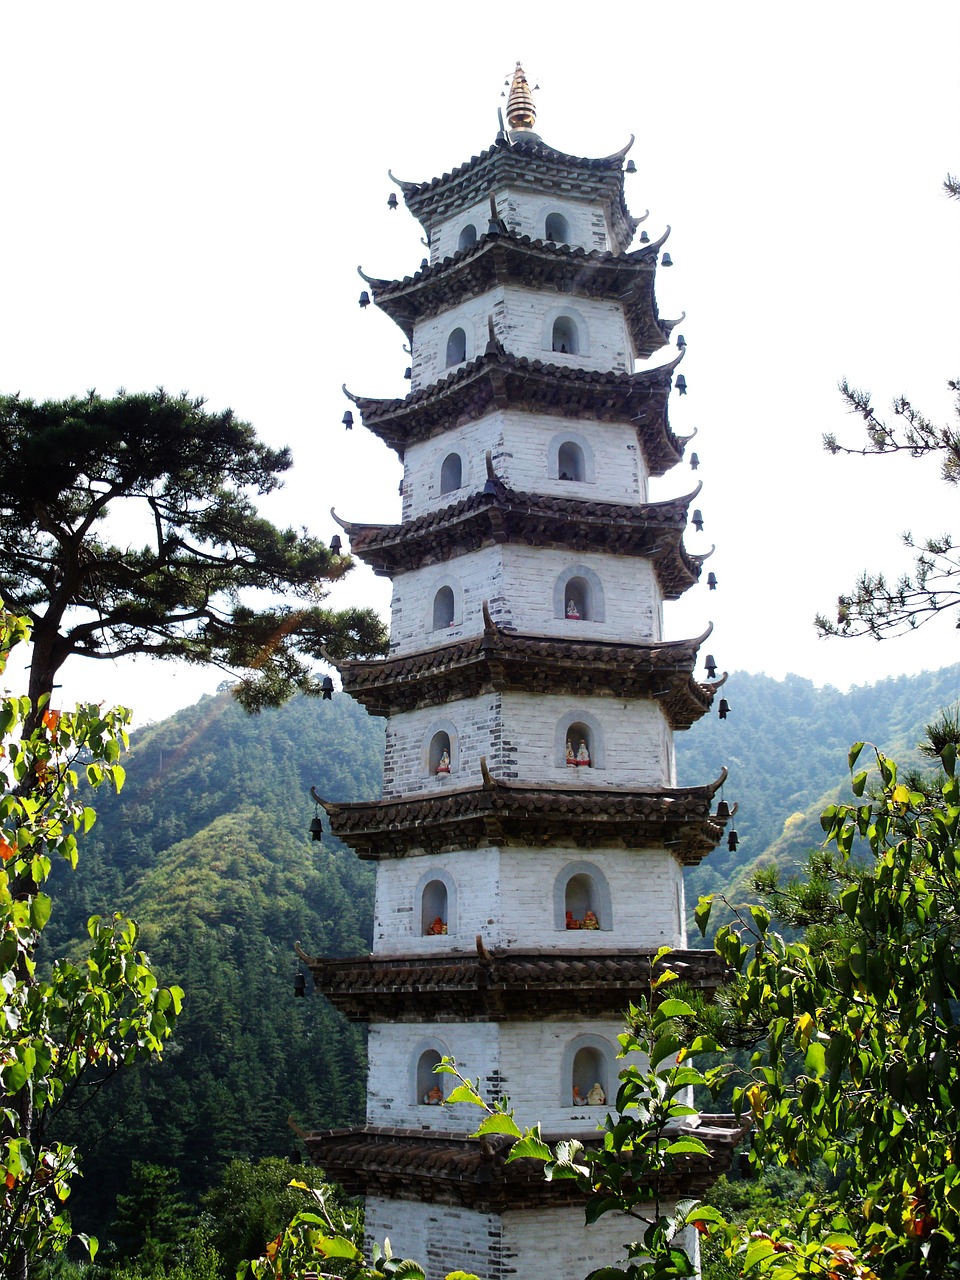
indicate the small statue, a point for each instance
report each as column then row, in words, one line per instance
column 596, row 1097
column 438, row 926
column 572, row 611
column 434, row 1097
column 571, row 923
column 589, row 921
column 571, row 755
column 583, row 755
column 578, row 1098
column 444, row 764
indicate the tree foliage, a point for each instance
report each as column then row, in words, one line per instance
column 878, row 606
column 860, row 1066
column 65, row 1025
column 128, row 526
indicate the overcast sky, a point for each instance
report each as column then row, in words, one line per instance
column 191, row 186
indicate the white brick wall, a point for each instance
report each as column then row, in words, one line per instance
column 525, row 213
column 519, row 584
column 523, row 321
column 520, row 447
column 518, row 734
column 507, row 896
column 522, row 1060
column 532, row 1244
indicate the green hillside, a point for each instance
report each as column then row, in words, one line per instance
column 208, row 848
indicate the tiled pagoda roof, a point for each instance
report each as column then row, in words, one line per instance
column 627, row 278
column 508, row 661
column 452, row 1168
column 527, row 163
column 508, row 985
column 497, row 380
column 498, row 812
column 502, row 515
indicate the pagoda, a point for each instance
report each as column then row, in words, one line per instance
column 530, row 840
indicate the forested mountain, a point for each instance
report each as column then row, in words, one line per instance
column 208, row 848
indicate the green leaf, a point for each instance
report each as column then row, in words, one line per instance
column 530, row 1146
column 702, row 911
column 687, row 1147
column 674, row 1009
column 339, row 1247
column 40, row 908
column 464, row 1093
column 499, row 1123
column 665, row 1047
column 853, row 755
column 816, row 1058
column 858, row 783
column 407, row 1270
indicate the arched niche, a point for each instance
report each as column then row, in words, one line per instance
column 436, row 895
column 580, row 729
column 588, row 1060
column 580, row 585
column 565, row 331
column 565, row 337
column 467, row 237
column 423, row 1079
column 447, row 605
column 451, row 473
column 456, row 347
column 556, row 228
column 570, row 457
column 581, row 887
column 441, row 737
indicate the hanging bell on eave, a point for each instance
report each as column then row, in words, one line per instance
column 712, row 581
column 666, row 261
column 723, row 710
column 408, row 373
column 723, row 811
column 681, row 341
column 644, row 237
column 732, row 840
column 364, row 299
column 299, row 986
column 392, row 201
column 631, row 166
column 711, row 665
column 347, row 420
column 694, row 461
column 336, row 546
column 697, row 519
column 326, row 692
column 316, row 828
column 681, row 385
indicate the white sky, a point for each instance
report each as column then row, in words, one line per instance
column 190, row 187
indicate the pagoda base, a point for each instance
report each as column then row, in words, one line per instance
column 547, row 1243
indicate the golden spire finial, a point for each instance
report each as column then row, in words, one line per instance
column 521, row 111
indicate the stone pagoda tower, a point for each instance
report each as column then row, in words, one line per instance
column 530, row 841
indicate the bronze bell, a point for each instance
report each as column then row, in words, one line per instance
column 392, row 200
column 723, row 709
column 644, row 237
column 666, row 261
column 712, row 581
column 698, row 519
column 316, row 828
column 681, row 384
column 681, row 341
column 723, row 811
column 364, row 299
column 299, row 986
column 711, row 664
column 336, row 545
column 408, row 373
column 694, row 461
column 631, row 166
column 326, row 689
column 732, row 840
column 347, row 420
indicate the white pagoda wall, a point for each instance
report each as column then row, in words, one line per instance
column 519, row 583
column 532, row 1244
column 525, row 213
column 523, row 321
column 530, row 1062
column 524, row 735
column 521, row 446
column 507, row 895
